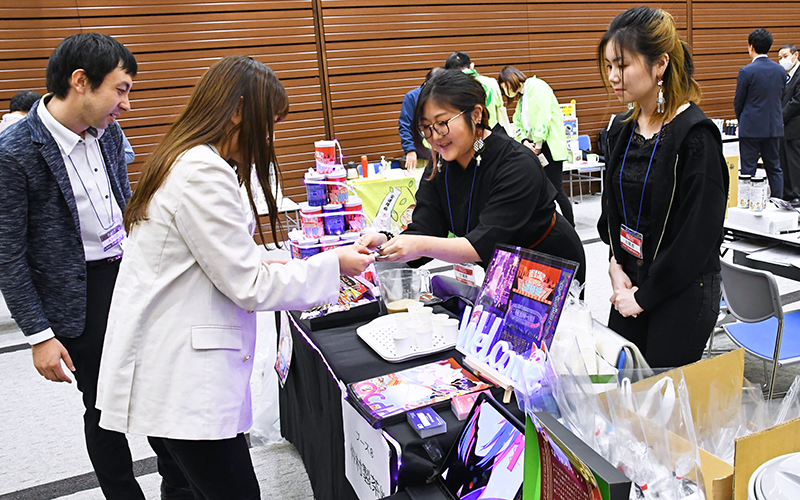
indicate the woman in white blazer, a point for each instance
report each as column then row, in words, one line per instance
column 181, row 332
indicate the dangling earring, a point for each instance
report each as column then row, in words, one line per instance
column 478, row 146
column 660, row 101
column 631, row 106
column 439, row 164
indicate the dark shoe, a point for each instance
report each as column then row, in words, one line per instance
column 795, row 202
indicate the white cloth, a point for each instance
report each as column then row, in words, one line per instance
column 177, row 357
column 97, row 206
column 10, row 119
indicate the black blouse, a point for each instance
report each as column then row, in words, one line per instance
column 633, row 179
column 507, row 199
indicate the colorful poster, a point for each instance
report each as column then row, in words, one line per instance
column 527, row 290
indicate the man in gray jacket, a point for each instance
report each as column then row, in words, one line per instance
column 64, row 190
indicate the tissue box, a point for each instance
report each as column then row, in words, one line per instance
column 771, row 221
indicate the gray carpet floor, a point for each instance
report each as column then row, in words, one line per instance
column 42, row 453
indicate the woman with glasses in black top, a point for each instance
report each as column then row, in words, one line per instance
column 482, row 187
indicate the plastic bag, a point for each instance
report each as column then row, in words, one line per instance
column 266, row 427
column 654, row 440
column 790, row 406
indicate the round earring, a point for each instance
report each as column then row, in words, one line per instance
column 660, row 101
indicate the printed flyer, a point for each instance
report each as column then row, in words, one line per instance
column 387, row 398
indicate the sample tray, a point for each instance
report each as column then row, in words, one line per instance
column 379, row 335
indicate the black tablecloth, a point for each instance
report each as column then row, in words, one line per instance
column 311, row 411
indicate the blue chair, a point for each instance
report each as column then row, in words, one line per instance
column 752, row 297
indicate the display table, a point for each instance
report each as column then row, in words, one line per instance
column 582, row 172
column 786, row 243
column 311, row 414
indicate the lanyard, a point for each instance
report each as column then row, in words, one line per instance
column 108, row 181
column 449, row 208
column 621, row 195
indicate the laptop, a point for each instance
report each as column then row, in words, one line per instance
column 486, row 461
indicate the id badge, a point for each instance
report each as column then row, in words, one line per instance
column 465, row 273
column 631, row 241
column 112, row 236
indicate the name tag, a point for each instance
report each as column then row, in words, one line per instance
column 465, row 273
column 112, row 236
column 631, row 241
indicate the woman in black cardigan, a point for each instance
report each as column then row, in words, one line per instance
column 666, row 192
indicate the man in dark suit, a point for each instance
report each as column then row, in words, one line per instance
column 758, row 107
column 790, row 145
column 64, row 188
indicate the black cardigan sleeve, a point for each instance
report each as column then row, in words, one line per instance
column 696, row 216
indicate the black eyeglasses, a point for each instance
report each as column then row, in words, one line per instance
column 441, row 128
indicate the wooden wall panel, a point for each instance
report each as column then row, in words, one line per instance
column 374, row 51
column 174, row 43
column 378, row 50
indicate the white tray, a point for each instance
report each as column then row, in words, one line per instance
column 379, row 333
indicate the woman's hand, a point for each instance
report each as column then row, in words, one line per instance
column 626, row 303
column 371, row 240
column 353, row 259
column 404, row 248
column 619, row 280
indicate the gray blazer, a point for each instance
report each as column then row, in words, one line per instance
column 42, row 268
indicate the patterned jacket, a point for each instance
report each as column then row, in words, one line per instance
column 42, row 267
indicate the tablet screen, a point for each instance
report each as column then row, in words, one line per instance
column 488, row 460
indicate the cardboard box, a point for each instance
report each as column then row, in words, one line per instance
column 726, row 372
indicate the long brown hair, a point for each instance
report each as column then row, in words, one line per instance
column 229, row 83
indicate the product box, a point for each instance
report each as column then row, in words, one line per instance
column 426, row 422
column 773, row 220
column 726, row 373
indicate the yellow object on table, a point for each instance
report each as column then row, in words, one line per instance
column 393, row 193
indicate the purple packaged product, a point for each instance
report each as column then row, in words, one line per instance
column 316, row 191
column 426, row 422
column 334, row 218
column 308, row 248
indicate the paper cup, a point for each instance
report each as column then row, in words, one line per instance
column 450, row 330
column 402, row 344
column 400, row 320
column 436, row 323
column 411, row 327
column 412, row 309
column 424, row 315
column 424, row 335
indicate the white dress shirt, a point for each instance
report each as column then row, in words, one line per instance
column 97, row 207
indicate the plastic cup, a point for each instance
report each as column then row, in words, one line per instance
column 424, row 335
column 402, row 344
column 424, row 315
column 436, row 323
column 450, row 330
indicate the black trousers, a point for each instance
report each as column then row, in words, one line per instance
column 790, row 165
column 676, row 331
column 108, row 450
column 750, row 148
column 212, row 469
column 555, row 174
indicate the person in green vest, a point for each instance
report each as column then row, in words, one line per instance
column 494, row 99
column 539, row 124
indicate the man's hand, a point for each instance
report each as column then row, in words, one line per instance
column 411, row 161
column 47, row 358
